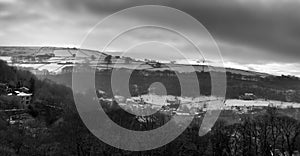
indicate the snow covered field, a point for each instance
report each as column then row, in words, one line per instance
column 260, row 103
column 212, row 103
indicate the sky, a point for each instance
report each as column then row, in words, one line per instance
column 258, row 35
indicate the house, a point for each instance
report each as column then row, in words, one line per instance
column 101, row 94
column 20, row 119
column 43, row 72
column 68, row 69
column 24, row 97
column 248, row 96
column 24, row 89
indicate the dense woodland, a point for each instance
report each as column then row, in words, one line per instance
column 58, row 130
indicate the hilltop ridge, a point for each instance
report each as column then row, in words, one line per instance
column 66, row 56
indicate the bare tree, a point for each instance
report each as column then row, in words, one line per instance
column 290, row 130
column 107, row 60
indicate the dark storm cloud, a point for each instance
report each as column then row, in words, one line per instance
column 273, row 30
column 269, row 25
column 257, row 34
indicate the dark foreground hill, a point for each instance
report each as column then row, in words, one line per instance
column 57, row 129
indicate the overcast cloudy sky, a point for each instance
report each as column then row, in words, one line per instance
column 261, row 35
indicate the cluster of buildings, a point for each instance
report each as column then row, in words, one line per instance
column 197, row 105
column 25, row 97
column 17, row 115
column 23, row 93
column 168, row 104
